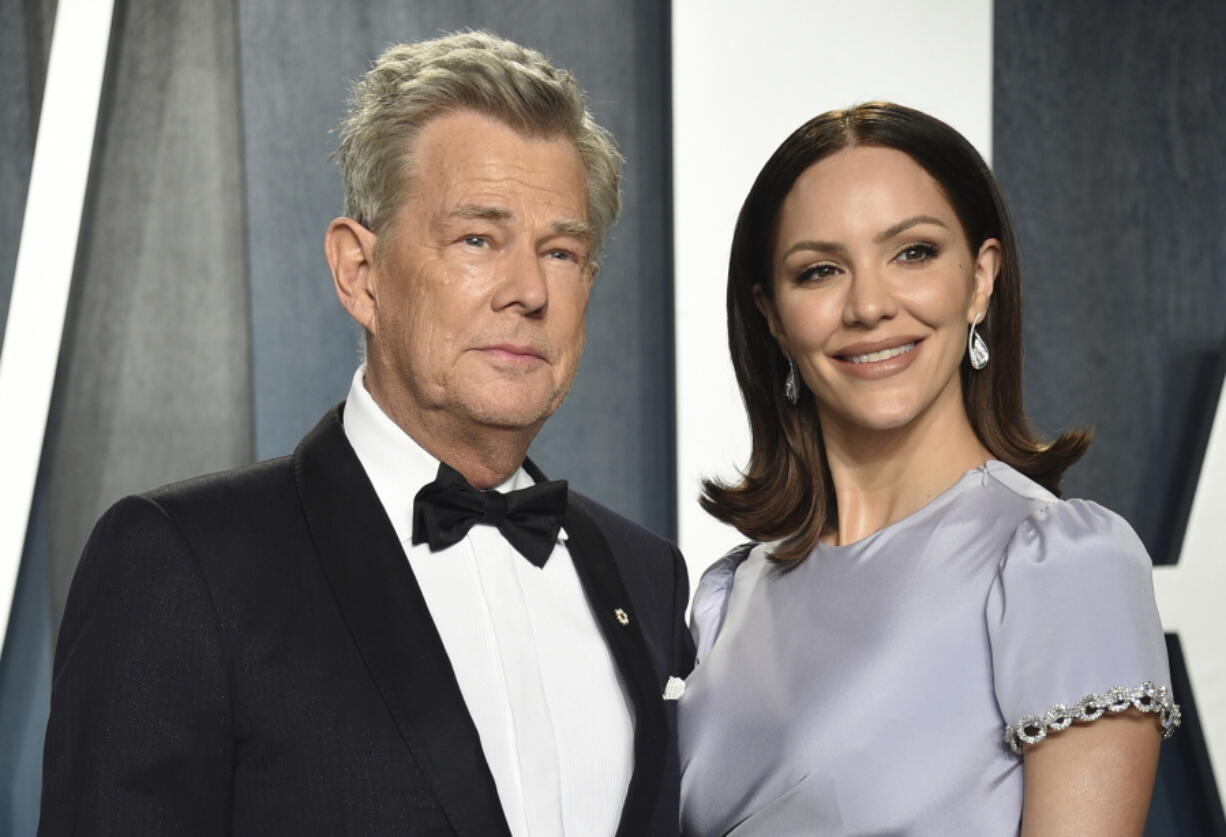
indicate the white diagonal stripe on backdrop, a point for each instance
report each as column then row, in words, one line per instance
column 1191, row 598
column 46, row 255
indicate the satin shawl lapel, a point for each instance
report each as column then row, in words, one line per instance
column 602, row 583
column 391, row 625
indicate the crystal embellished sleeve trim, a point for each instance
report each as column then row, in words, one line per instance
column 1147, row 697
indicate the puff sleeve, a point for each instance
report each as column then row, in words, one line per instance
column 711, row 599
column 1073, row 626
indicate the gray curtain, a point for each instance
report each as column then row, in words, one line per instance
column 154, row 382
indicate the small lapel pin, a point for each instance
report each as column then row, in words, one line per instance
column 621, row 616
column 674, row 688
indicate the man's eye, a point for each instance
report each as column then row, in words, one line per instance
column 562, row 255
column 917, row 253
column 476, row 241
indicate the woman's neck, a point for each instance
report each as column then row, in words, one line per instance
column 882, row 476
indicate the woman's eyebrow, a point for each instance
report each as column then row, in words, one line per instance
column 816, row 246
column 906, row 224
column 839, row 249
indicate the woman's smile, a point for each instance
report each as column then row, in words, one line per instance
column 867, row 362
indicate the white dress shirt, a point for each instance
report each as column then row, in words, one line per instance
column 539, row 682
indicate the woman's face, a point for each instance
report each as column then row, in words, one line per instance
column 874, row 287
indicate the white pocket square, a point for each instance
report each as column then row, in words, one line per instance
column 674, row 688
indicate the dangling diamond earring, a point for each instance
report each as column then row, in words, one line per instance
column 976, row 348
column 791, row 386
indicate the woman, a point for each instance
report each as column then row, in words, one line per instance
column 925, row 640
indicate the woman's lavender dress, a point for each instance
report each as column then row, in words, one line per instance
column 877, row 688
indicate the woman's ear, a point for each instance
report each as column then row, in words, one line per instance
column 987, row 267
column 350, row 250
column 766, row 306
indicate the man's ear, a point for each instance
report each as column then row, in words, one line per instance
column 987, row 268
column 350, row 250
column 766, row 306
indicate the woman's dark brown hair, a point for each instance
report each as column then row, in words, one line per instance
column 786, row 492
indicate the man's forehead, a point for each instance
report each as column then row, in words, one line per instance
column 471, row 144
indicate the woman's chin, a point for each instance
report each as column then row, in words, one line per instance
column 884, row 423
column 880, row 418
column 897, row 407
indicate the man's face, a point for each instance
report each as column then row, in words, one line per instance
column 483, row 278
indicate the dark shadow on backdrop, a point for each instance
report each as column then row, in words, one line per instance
column 1110, row 155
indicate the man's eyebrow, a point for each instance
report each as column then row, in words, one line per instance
column 907, row 224
column 482, row 212
column 573, row 226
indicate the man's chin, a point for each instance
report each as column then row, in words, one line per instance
column 526, row 415
column 510, row 402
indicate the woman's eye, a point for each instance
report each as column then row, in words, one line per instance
column 917, row 253
column 816, row 273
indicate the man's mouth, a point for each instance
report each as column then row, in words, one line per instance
column 513, row 352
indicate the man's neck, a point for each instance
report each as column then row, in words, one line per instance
column 484, row 463
column 485, row 456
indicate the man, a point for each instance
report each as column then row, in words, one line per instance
column 402, row 627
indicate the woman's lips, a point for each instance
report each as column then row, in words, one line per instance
column 879, row 363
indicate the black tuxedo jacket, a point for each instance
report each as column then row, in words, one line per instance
column 249, row 653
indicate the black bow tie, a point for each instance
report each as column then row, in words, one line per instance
column 444, row 511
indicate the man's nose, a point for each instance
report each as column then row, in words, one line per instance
column 522, row 280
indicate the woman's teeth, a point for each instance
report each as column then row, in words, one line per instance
column 884, row 354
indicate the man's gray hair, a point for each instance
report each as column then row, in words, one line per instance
column 410, row 84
